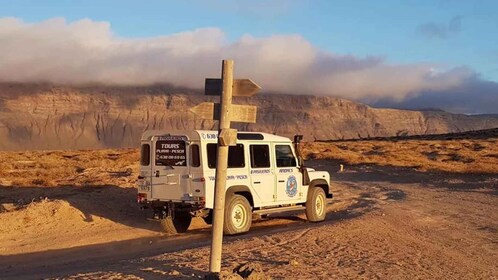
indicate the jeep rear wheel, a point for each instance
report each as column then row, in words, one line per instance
column 316, row 205
column 238, row 215
column 209, row 218
column 178, row 224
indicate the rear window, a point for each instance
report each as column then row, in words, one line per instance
column 195, row 160
column 171, row 152
column 235, row 156
column 145, row 155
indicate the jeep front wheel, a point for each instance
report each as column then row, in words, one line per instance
column 178, row 224
column 238, row 215
column 316, row 205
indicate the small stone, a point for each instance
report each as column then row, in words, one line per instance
column 7, row 207
column 223, row 275
column 159, row 271
column 174, row 272
column 294, row 263
column 251, row 271
column 147, row 269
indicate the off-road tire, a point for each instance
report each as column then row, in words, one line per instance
column 316, row 205
column 179, row 224
column 238, row 215
column 209, row 218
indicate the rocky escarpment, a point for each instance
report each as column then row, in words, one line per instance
column 62, row 117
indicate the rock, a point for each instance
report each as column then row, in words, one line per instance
column 7, row 207
column 251, row 271
column 174, row 272
column 224, row 275
column 147, row 269
column 293, row 262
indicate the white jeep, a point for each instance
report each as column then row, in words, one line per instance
column 265, row 175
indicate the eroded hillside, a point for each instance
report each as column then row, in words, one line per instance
column 41, row 116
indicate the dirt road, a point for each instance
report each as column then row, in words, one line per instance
column 384, row 223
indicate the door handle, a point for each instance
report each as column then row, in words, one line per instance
column 257, row 182
column 157, row 173
column 281, row 181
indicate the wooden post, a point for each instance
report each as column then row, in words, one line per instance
column 221, row 168
column 226, row 87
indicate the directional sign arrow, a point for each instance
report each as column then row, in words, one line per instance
column 243, row 113
column 238, row 113
column 241, row 87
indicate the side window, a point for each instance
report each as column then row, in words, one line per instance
column 212, row 153
column 235, row 156
column 284, row 156
column 145, row 155
column 195, row 160
column 260, row 156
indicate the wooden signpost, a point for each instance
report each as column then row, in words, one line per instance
column 241, row 87
column 225, row 112
column 238, row 113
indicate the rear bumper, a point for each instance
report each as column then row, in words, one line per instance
column 192, row 204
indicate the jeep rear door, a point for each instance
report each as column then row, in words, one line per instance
column 170, row 172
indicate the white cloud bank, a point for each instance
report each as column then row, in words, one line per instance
column 86, row 51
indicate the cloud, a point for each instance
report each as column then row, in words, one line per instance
column 87, row 51
column 434, row 30
column 474, row 96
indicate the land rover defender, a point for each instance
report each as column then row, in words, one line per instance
column 265, row 175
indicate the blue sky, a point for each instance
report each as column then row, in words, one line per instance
column 391, row 29
column 405, row 54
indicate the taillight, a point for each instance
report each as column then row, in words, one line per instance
column 203, row 179
column 141, row 198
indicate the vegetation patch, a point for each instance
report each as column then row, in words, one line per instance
column 459, row 156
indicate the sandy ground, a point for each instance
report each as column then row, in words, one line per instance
column 384, row 222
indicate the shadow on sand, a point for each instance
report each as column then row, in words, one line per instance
column 483, row 183
column 54, row 263
column 107, row 201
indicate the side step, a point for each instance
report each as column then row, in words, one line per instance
column 278, row 209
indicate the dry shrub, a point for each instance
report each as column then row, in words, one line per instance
column 55, row 168
column 120, row 166
column 461, row 156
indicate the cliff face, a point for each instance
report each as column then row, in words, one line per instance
column 55, row 117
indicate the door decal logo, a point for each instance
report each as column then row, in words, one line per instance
column 291, row 187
